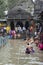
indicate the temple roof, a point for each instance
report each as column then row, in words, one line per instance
column 18, row 13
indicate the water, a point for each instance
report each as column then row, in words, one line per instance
column 13, row 53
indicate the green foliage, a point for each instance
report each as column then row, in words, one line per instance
column 8, row 4
column 2, row 8
column 5, row 5
column 11, row 3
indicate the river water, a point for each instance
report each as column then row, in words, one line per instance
column 13, row 53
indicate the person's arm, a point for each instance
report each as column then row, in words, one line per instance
column 24, row 42
column 31, row 40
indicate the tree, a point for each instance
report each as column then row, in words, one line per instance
column 6, row 5
column 11, row 3
column 2, row 8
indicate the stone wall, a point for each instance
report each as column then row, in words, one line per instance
column 38, row 7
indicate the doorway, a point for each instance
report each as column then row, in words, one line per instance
column 12, row 25
column 19, row 23
column 26, row 24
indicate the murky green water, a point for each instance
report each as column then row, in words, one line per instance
column 13, row 53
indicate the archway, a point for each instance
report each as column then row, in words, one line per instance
column 26, row 24
column 19, row 23
column 12, row 25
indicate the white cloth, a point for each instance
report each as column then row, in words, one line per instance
column 24, row 28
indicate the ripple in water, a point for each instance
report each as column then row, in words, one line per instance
column 35, row 62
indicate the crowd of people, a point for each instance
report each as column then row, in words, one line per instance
column 31, row 34
column 36, row 38
column 30, row 41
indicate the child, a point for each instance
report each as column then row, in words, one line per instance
column 29, row 49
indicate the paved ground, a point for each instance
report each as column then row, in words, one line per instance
column 13, row 53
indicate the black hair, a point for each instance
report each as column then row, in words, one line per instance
column 27, row 43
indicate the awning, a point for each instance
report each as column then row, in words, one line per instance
column 2, row 20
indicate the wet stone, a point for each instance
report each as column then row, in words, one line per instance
column 13, row 53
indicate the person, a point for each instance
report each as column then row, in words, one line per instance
column 40, row 46
column 4, row 29
column 19, row 29
column 8, row 29
column 41, row 37
column 32, row 50
column 24, row 28
column 36, row 41
column 16, row 29
column 24, row 33
column 29, row 49
column 13, row 33
column 29, row 40
column 31, row 31
column 27, row 32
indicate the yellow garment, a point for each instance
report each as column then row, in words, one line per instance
column 8, row 29
column 0, row 24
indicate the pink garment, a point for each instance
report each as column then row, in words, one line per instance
column 40, row 46
column 41, row 37
column 13, row 32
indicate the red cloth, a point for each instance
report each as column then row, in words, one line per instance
column 40, row 46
